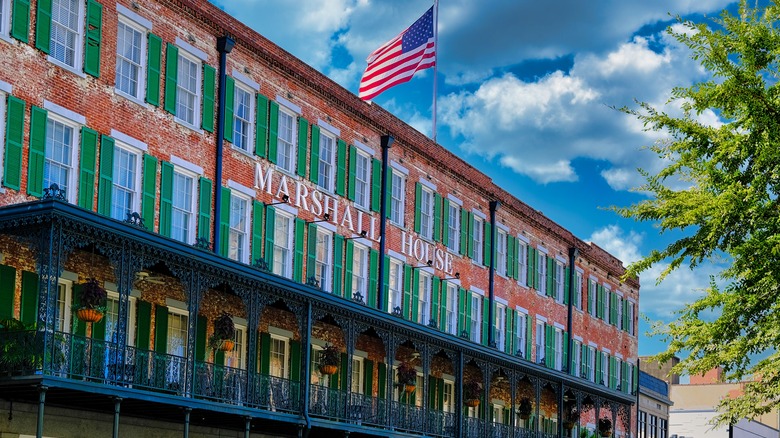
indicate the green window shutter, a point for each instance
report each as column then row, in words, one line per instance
column 207, row 110
column 204, row 209
column 79, row 327
column 352, row 172
column 529, row 271
column 470, row 241
column 14, row 141
column 86, row 196
column 348, row 260
column 7, row 291
column 224, row 223
column 486, row 241
column 626, row 320
column 435, row 304
column 338, row 263
column 376, row 185
column 153, row 68
column 445, row 220
column 565, row 353
column 143, row 324
column 511, row 265
column 314, row 166
column 431, row 392
column 341, row 165
column 624, row 370
column 257, row 230
column 300, row 226
column 386, row 285
column 551, row 265
column 598, row 368
column 149, row 190
column 464, row 231
column 529, row 337
column 200, row 339
column 166, row 197
column 303, row 154
column 171, row 77
column 389, row 193
column 94, row 38
column 311, row 252
column 612, row 376
column 106, row 181
column 261, row 120
column 270, row 226
column 368, row 378
column 417, row 202
column 373, row 271
column 37, row 151
column 442, row 310
column 415, row 296
column 614, row 309
column 509, row 338
column 295, row 360
column 463, row 315
column 407, row 299
column 343, row 372
column 590, row 298
column 43, row 26
column 566, row 285
column 273, row 130
column 440, row 397
column 381, row 380
column 160, row 329
column 599, row 307
column 265, row 353
column 486, row 325
column 99, row 329
column 437, row 217
column 20, row 20
column 549, row 342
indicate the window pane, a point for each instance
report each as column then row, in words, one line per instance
column 128, row 59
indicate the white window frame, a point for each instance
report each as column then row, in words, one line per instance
column 453, row 227
column 75, row 138
column 500, row 251
column 325, row 279
column 619, row 302
column 285, row 268
column 285, row 342
column 631, row 316
column 541, row 268
column 248, row 120
column 189, row 238
column 362, row 187
column 592, row 363
column 593, row 295
column 426, row 212
column 451, row 312
column 186, row 56
column 521, row 333
column 398, row 195
column 558, row 347
column 500, row 326
column 78, row 50
column 448, row 395
column 64, row 295
column 479, row 238
column 283, row 144
column 130, row 326
column 395, row 295
column 539, row 340
column 578, row 290
column 425, row 287
column 618, row 374
column 522, row 262
column 241, row 251
column 360, row 270
column 357, row 384
column 326, row 166
column 137, row 154
column 604, row 368
column 238, row 354
column 475, row 323
column 5, row 20
column 577, row 353
column 560, row 281
column 178, row 313
column 606, row 304
column 141, row 80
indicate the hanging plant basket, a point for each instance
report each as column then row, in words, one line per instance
column 227, row 345
column 525, row 409
column 409, row 388
column 472, row 402
column 605, row 427
column 328, row 370
column 91, row 301
column 568, row 425
column 330, row 357
column 224, row 334
column 89, row 315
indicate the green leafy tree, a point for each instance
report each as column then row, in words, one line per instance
column 729, row 212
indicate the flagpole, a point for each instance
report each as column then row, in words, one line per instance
column 436, row 63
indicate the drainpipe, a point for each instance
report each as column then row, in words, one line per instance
column 386, row 142
column 224, row 46
column 307, row 372
column 573, row 253
column 492, row 273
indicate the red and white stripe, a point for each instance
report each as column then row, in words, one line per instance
column 388, row 66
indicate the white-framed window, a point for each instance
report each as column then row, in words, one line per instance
column 592, row 296
column 540, row 344
column 235, row 358
column 560, row 271
column 619, row 322
column 604, row 377
column 426, row 212
column 238, row 240
column 500, row 326
column 323, row 262
column 451, row 311
column 279, row 353
column 397, row 394
column 500, row 252
column 126, row 190
column 112, row 318
column 475, row 324
column 183, row 203
column 316, row 378
column 327, row 163
column 629, row 378
column 479, row 236
column 395, row 284
column 618, row 374
column 188, row 85
column 177, row 332
column 521, row 333
column 453, row 227
column 243, row 117
column 498, row 413
column 630, row 318
column 558, row 346
column 358, row 372
column 592, row 364
column 541, row 269
column 420, row 382
column 578, row 290
column 576, row 361
column 424, row 298
column 522, row 262
column 362, row 180
column 130, row 77
column 5, row 18
column 63, row 317
column 360, row 270
column 60, row 165
column 397, row 195
column 286, row 146
column 605, row 304
column 283, row 245
column 653, row 426
column 66, row 43
column 448, row 396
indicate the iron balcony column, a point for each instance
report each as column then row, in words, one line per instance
column 224, row 46
column 386, row 142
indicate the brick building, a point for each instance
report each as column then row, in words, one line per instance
column 166, row 153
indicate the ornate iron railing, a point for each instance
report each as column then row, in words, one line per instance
column 521, row 432
column 327, row 402
column 441, row 423
column 274, row 394
column 364, row 409
column 407, row 417
column 155, row 371
column 220, row 383
column 499, row 430
column 473, row 427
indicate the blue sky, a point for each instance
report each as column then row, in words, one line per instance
column 526, row 94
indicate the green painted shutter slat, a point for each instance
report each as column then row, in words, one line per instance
column 613, row 308
column 529, row 271
column 598, row 368
column 265, row 353
column 343, row 372
column 106, row 172
column 149, row 190
column 300, row 226
column 219, row 359
column 207, row 109
column 143, row 325
column 273, row 130
column 314, row 166
column 487, row 254
column 376, row 185
column 381, row 381
column 270, row 226
column 591, row 297
column 99, row 333
column 257, row 230
column 435, row 301
column 295, row 361
column 20, row 20
column 348, row 263
column 352, row 172
column 462, row 313
column 311, row 253
column 599, row 312
column 567, row 285
column 431, row 392
column 341, row 165
column 153, row 68
column 626, row 320
column 386, row 286
column 417, row 211
column 94, row 37
column 230, row 99
column 29, row 299
column 166, row 197
column 37, row 151
column 79, row 327
column 470, row 240
column 443, row 307
column 549, row 342
column 200, row 339
column 551, row 265
column 14, row 142
column 43, row 26
column 445, row 221
column 437, row 217
column 486, row 324
column 303, row 153
column 171, row 77
column 160, row 329
column 509, row 338
column 415, row 303
column 511, row 266
column 565, row 354
column 338, row 263
column 406, row 305
column 7, row 291
column 368, row 378
column 224, row 223
column 373, row 271
column 529, row 338
column 389, row 193
column 464, row 231
column 261, row 120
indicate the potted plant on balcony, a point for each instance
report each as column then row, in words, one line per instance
column 91, row 301
column 224, row 334
column 605, row 427
column 329, row 360
column 472, row 390
column 407, row 377
column 570, row 417
column 525, row 408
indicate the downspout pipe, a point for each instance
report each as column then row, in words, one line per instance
column 225, row 45
column 386, row 143
column 492, row 273
column 573, row 254
column 307, row 372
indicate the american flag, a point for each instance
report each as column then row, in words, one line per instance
column 400, row 58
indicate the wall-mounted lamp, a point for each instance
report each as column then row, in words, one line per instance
column 325, row 218
column 456, row 277
column 285, row 200
column 190, row 38
column 362, row 234
column 427, row 264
